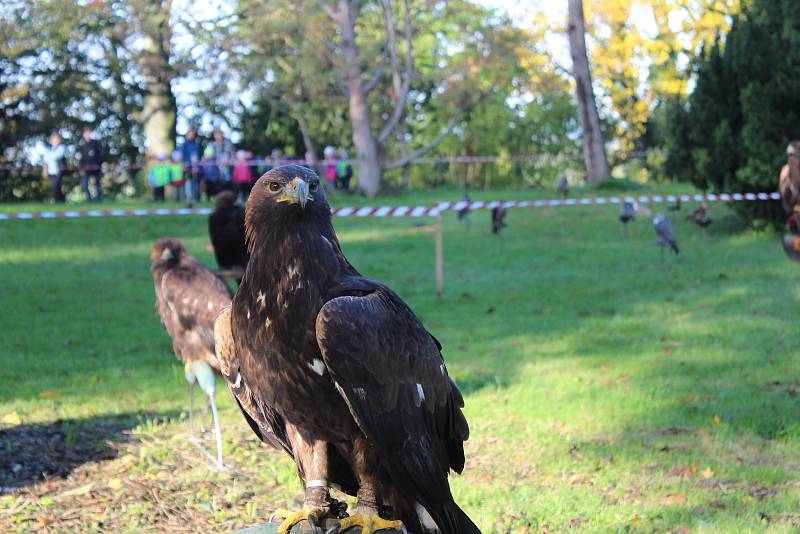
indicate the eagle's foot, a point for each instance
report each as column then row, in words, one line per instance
column 369, row 523
column 312, row 514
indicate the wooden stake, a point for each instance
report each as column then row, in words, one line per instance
column 439, row 257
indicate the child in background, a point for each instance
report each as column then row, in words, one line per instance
column 243, row 175
column 210, row 170
column 159, row 176
column 176, row 175
column 344, row 171
column 329, row 167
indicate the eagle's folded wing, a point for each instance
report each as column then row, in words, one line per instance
column 390, row 372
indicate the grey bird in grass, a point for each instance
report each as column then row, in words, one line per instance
column 627, row 215
column 665, row 233
column 463, row 212
column 563, row 186
column 498, row 219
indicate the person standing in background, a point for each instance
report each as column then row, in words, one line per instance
column 344, row 171
column 55, row 166
column 242, row 175
column 211, row 174
column 176, row 175
column 191, row 152
column 329, row 166
column 223, row 149
column 90, row 165
column 789, row 184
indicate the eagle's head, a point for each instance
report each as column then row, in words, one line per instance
column 291, row 194
column 167, row 251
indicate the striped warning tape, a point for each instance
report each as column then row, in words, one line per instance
column 585, row 201
column 417, row 211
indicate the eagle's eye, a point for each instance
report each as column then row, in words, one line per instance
column 275, row 187
column 313, row 186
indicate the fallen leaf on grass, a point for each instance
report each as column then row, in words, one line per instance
column 707, row 472
column 114, row 483
column 716, row 420
column 51, row 394
column 12, row 418
column 673, row 498
column 80, row 490
column 684, row 471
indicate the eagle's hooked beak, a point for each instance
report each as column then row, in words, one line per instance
column 296, row 192
column 166, row 254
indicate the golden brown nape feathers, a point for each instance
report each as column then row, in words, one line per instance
column 225, row 199
column 188, row 299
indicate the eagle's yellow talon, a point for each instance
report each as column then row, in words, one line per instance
column 368, row 523
column 292, row 518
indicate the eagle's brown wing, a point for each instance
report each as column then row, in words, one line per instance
column 268, row 425
column 390, row 371
column 189, row 298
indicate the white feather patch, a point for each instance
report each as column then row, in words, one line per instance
column 317, row 366
column 238, row 380
column 420, row 392
column 210, row 305
column 425, row 518
column 261, row 300
column 267, row 322
column 361, row 393
column 441, row 368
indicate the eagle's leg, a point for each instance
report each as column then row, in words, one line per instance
column 312, row 462
column 367, row 508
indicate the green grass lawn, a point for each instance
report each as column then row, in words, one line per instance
column 607, row 389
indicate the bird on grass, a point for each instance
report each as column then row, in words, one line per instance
column 627, row 215
column 464, row 210
column 677, row 206
column 700, row 216
column 665, row 233
column 562, row 186
column 226, row 229
column 188, row 299
column 336, row 370
column 498, row 219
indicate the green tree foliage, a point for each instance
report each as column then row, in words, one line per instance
column 731, row 133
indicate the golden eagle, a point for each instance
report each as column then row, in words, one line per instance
column 336, row 369
column 226, row 229
column 188, row 298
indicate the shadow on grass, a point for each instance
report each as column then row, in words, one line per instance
column 31, row 453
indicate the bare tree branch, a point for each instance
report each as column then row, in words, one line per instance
column 376, row 76
column 421, row 151
column 400, row 88
column 328, row 9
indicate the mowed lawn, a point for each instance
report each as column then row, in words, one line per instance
column 608, row 389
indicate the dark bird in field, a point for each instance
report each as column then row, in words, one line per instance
column 226, row 228
column 700, row 216
column 677, row 206
column 627, row 215
column 464, row 211
column 562, row 186
column 336, row 370
column 188, row 299
column 665, row 233
column 498, row 219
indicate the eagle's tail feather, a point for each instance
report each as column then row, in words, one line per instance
column 448, row 520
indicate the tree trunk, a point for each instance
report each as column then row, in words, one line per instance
column 369, row 167
column 593, row 150
column 159, row 108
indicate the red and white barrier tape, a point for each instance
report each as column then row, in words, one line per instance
column 585, row 201
column 416, row 211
